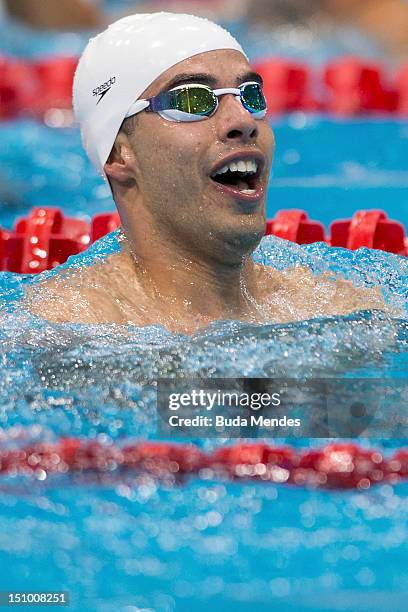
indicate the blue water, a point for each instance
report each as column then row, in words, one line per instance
column 320, row 166
column 231, row 546
column 130, row 543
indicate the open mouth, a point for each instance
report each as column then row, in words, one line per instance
column 240, row 175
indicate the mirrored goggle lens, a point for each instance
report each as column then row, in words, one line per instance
column 194, row 100
column 253, row 98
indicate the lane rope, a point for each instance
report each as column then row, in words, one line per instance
column 46, row 237
column 334, row 466
column 347, row 86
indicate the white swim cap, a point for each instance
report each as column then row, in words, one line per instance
column 119, row 64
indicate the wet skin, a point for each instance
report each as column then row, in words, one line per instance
column 186, row 239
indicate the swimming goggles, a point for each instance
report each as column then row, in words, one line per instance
column 196, row 102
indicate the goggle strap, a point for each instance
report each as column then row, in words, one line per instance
column 137, row 107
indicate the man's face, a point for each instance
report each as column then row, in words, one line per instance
column 176, row 162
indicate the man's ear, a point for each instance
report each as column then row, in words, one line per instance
column 120, row 166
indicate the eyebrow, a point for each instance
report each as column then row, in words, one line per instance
column 208, row 79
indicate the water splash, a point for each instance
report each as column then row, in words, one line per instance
column 84, row 378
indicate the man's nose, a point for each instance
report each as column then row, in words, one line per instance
column 235, row 123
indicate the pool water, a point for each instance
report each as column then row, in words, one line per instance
column 320, row 166
column 128, row 542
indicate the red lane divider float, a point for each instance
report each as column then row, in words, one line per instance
column 42, row 241
column 346, row 86
column 402, row 88
column 294, row 225
column 368, row 228
column 336, row 466
column 287, row 86
column 103, row 224
column 33, row 87
column 355, row 86
column 56, row 78
column 46, row 238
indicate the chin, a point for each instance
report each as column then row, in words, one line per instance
column 244, row 237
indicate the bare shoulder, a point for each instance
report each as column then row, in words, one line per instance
column 268, row 278
column 61, row 300
column 74, row 295
column 307, row 294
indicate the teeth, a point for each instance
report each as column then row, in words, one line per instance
column 222, row 171
column 252, row 166
column 248, row 167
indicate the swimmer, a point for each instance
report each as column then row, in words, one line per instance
column 173, row 115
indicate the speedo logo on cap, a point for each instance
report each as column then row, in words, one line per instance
column 103, row 89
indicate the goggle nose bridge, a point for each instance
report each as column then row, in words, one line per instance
column 222, row 92
column 229, row 90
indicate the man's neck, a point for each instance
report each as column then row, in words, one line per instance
column 172, row 277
